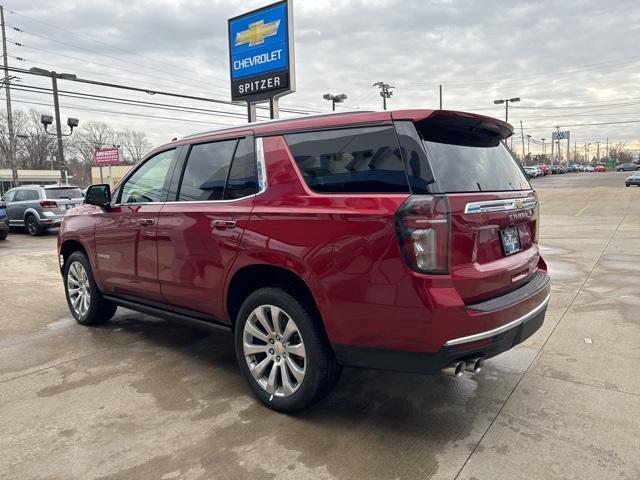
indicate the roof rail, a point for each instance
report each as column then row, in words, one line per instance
column 276, row 120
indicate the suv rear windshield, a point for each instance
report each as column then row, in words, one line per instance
column 459, row 168
column 56, row 193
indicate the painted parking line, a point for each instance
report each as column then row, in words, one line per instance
column 582, row 210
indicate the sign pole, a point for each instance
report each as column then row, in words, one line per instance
column 251, row 112
column 101, row 177
column 273, row 108
column 110, row 177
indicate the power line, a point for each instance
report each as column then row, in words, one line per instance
column 88, row 37
column 119, row 113
column 132, row 102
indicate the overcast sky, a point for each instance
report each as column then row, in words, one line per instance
column 572, row 63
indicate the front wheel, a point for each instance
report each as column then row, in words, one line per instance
column 3, row 234
column 85, row 301
column 282, row 352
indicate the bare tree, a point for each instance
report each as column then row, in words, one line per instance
column 134, row 143
column 90, row 136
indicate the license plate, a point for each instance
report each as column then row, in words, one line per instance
column 69, row 206
column 510, row 240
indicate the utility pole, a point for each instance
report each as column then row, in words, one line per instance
column 522, row 137
column 543, row 149
column 440, row 97
column 575, row 152
column 598, row 151
column 528, row 149
column 56, row 107
column 385, row 92
column 7, row 80
column 607, row 149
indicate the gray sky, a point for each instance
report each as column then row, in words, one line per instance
column 572, row 62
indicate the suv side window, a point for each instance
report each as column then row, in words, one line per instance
column 26, row 195
column 243, row 176
column 150, row 182
column 351, row 160
column 206, row 171
column 8, row 197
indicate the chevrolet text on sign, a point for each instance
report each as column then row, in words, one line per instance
column 261, row 54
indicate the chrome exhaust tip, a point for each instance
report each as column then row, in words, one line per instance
column 455, row 369
column 475, row 365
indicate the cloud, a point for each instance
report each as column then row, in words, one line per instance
column 548, row 53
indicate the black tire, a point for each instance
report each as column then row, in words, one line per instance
column 99, row 310
column 3, row 234
column 321, row 369
column 32, row 226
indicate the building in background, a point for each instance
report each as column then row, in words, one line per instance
column 117, row 172
column 28, row 177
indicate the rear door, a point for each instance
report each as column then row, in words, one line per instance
column 24, row 198
column 493, row 210
column 199, row 232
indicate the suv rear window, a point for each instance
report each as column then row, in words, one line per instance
column 352, row 160
column 459, row 168
column 57, row 193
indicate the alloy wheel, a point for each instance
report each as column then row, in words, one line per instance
column 78, row 289
column 274, row 350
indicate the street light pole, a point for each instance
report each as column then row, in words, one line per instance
column 334, row 99
column 506, row 102
column 56, row 107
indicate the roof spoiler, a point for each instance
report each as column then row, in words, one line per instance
column 466, row 129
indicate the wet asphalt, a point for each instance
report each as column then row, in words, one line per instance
column 142, row 398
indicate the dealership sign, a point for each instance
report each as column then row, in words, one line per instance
column 261, row 53
column 107, row 156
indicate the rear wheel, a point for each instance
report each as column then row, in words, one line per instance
column 32, row 226
column 3, row 234
column 282, row 352
column 85, row 301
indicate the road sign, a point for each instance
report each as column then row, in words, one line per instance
column 560, row 135
column 261, row 53
column 107, row 156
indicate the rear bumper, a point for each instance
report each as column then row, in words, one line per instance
column 487, row 344
column 486, row 329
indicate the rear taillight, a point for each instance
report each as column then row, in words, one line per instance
column 423, row 224
column 48, row 204
column 3, row 205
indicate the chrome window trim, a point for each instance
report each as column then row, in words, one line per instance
column 261, row 170
column 489, row 206
column 498, row 330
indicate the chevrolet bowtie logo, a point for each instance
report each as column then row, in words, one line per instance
column 256, row 33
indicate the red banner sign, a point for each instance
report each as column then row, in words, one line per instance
column 107, row 156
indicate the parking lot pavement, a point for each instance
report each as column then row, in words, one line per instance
column 142, row 398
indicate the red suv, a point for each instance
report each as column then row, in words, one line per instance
column 399, row 240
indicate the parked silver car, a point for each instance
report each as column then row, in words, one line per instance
column 38, row 207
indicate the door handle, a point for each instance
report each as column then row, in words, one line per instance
column 146, row 221
column 223, row 224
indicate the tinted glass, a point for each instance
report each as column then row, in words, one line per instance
column 206, row 172
column 458, row 168
column 8, row 197
column 149, row 183
column 26, row 195
column 63, row 193
column 415, row 159
column 354, row 160
column 243, row 177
